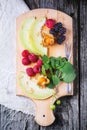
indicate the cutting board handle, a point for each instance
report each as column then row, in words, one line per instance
column 44, row 115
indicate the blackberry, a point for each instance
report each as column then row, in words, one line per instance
column 60, row 39
column 56, row 29
column 53, row 32
column 62, row 30
column 57, row 26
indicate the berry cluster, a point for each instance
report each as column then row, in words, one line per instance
column 32, row 71
column 58, row 31
column 29, row 58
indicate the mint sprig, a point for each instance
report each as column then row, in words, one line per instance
column 57, row 69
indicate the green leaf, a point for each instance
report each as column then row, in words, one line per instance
column 57, row 72
column 57, row 69
column 46, row 66
column 68, row 77
column 55, row 79
column 51, row 85
column 68, row 72
column 51, row 71
column 45, row 59
column 43, row 70
column 52, row 61
column 64, row 59
column 60, row 62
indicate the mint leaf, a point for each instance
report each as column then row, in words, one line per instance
column 51, row 85
column 45, row 59
column 57, row 69
column 55, row 79
column 52, row 61
column 60, row 62
column 43, row 70
column 68, row 77
column 68, row 72
column 46, row 66
column 57, row 72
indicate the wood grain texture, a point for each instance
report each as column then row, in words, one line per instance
column 48, row 4
column 33, row 4
column 13, row 120
column 83, row 65
column 68, row 116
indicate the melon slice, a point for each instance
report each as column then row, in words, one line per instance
column 30, row 35
column 24, row 34
column 31, row 89
column 36, row 38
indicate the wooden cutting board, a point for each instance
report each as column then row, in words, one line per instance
column 44, row 115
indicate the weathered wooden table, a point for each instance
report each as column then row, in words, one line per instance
column 72, row 113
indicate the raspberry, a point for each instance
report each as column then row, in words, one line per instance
column 32, row 57
column 50, row 23
column 30, row 72
column 25, row 61
column 25, row 53
column 39, row 62
column 37, row 69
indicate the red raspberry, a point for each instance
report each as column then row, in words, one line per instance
column 32, row 57
column 25, row 53
column 26, row 61
column 39, row 62
column 37, row 69
column 30, row 72
column 50, row 23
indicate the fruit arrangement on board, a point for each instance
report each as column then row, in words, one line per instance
column 43, row 72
